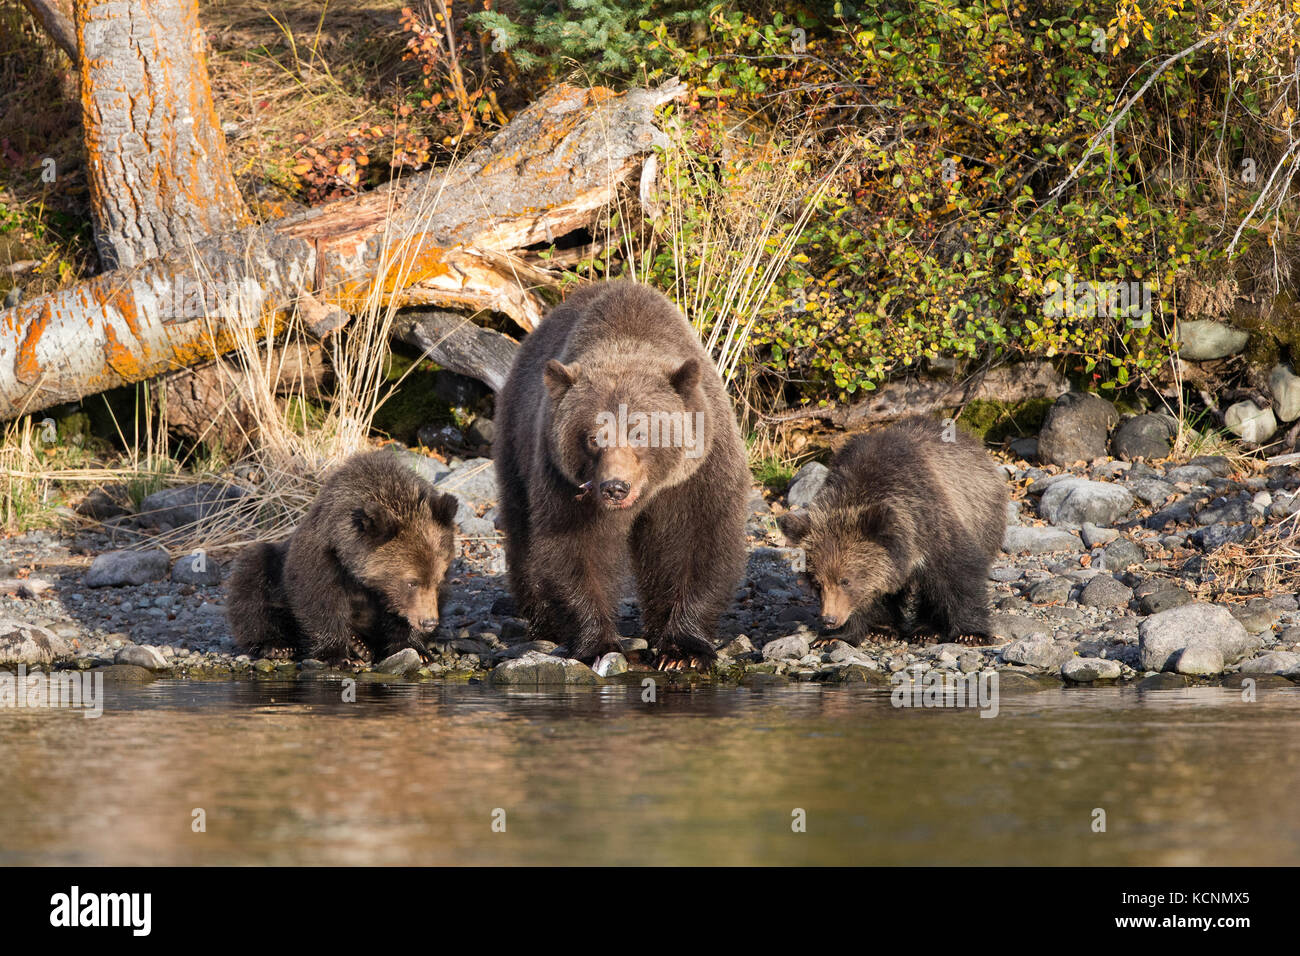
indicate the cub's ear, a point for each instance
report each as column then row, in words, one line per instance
column 686, row 377
column 373, row 521
column 443, row 508
column 891, row 527
column 559, row 378
column 795, row 525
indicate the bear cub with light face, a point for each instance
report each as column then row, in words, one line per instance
column 367, row 565
column 905, row 531
column 617, row 449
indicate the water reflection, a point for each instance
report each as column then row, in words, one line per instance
column 289, row 773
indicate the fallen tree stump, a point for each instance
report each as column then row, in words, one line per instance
column 447, row 239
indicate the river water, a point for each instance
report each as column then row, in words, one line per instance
column 179, row 772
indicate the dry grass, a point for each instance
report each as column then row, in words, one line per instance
column 1268, row 563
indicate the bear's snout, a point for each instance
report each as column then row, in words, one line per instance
column 615, row 489
column 428, row 624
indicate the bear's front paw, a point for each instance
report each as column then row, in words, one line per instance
column 683, row 652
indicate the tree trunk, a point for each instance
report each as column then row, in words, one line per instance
column 56, row 20
column 159, row 175
column 893, row 400
column 453, row 238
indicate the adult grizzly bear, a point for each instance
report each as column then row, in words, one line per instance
column 616, row 438
column 908, row 523
column 368, row 561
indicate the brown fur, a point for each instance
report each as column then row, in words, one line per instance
column 907, row 524
column 576, row 504
column 368, row 561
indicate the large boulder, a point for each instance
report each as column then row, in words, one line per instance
column 805, row 484
column 1147, row 436
column 1074, row 501
column 187, row 504
column 1076, row 429
column 1285, row 386
column 1214, row 637
column 1201, row 340
column 1248, row 421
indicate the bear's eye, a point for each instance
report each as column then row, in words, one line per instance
column 844, row 582
column 593, row 442
column 412, row 584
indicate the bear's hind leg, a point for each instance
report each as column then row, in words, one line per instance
column 258, row 612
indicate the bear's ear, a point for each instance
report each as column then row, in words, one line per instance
column 686, row 377
column 889, row 526
column 443, row 508
column 559, row 378
column 373, row 521
column 795, row 525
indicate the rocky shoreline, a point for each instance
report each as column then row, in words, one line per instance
column 1098, row 583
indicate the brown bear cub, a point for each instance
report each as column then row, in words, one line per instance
column 616, row 440
column 906, row 527
column 367, row 563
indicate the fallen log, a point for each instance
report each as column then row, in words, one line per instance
column 448, row 239
column 457, row 344
column 894, row 400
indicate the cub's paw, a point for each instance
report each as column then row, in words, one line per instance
column 683, row 652
column 975, row 640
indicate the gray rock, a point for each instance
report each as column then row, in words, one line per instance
column 120, row 568
column 1150, row 491
column 1027, row 539
column 405, row 661
column 805, row 484
column 22, row 643
column 1249, row 422
column 1256, row 616
column 203, row 570
column 481, row 431
column 1076, row 428
column 1215, row 536
column 1164, row 637
column 1085, row 670
column 793, row 647
column 1052, row 591
column 473, row 482
column 1200, row 658
column 1025, row 449
column 1283, row 663
column 1146, row 436
column 187, row 504
column 1201, row 340
column 534, row 668
column 101, row 504
column 1119, row 554
column 611, row 664
column 1105, row 591
column 1073, row 502
column 442, row 438
column 1189, row 474
column 1165, row 600
column 1285, row 386
column 1095, row 537
column 141, row 655
column 430, row 469
column 1013, row 627
column 1038, row 651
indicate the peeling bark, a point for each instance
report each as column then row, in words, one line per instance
column 451, row 238
column 159, row 174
